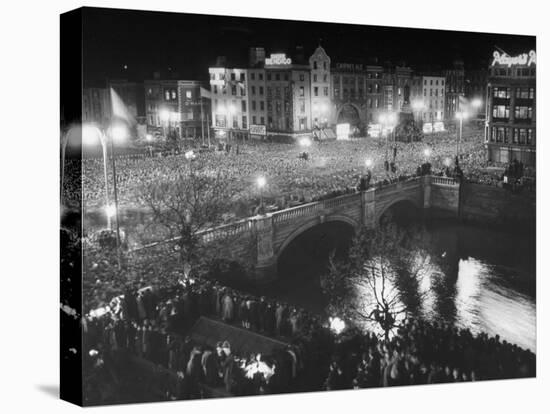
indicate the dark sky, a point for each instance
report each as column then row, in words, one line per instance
column 189, row 43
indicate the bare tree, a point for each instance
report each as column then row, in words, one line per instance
column 378, row 283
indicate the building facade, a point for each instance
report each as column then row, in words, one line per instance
column 97, row 105
column 454, row 89
column 511, row 109
column 177, row 107
column 321, row 108
column 433, row 96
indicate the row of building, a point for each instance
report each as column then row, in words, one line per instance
column 284, row 95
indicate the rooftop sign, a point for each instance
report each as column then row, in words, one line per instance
column 278, row 59
column 504, row 59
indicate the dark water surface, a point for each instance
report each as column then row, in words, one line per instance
column 486, row 281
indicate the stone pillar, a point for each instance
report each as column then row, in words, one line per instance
column 266, row 262
column 427, row 191
column 368, row 204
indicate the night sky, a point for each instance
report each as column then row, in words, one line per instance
column 189, row 43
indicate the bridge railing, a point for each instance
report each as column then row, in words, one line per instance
column 436, row 179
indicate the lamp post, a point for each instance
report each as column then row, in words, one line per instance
column 460, row 116
column 165, row 118
column 118, row 133
column 261, row 181
column 149, row 139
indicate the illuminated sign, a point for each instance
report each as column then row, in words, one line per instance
column 507, row 60
column 257, row 130
column 351, row 67
column 278, row 59
column 342, row 131
column 438, row 126
column 427, row 128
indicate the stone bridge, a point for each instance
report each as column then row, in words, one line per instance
column 275, row 231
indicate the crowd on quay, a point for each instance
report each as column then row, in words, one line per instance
column 331, row 167
column 152, row 324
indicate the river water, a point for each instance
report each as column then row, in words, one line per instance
column 487, row 280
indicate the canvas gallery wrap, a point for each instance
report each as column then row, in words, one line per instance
column 254, row 206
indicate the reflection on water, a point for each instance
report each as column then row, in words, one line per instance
column 484, row 281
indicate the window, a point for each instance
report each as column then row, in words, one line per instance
column 325, row 91
column 221, row 76
column 303, row 107
column 286, row 77
column 301, row 91
column 278, row 107
column 269, row 76
column 188, row 94
column 215, row 89
column 269, row 91
column 336, row 91
column 245, row 126
column 500, row 134
column 262, row 120
column 261, row 105
column 233, row 90
column 314, row 64
column 260, row 76
column 360, row 92
column 325, row 66
column 261, row 90
column 254, row 119
column 437, row 82
column 167, row 95
column 253, row 107
column 277, row 92
column 270, row 121
column 316, row 91
column 243, row 91
column 302, row 77
column 425, row 81
column 212, row 77
column 515, row 138
column 530, row 137
column 501, row 111
column 243, row 106
column 242, row 77
column 442, row 82
column 315, row 78
column 424, row 92
column 232, row 76
column 501, row 92
column 325, row 78
column 522, row 136
column 269, row 106
column 369, row 102
column 253, row 90
column 277, row 76
column 431, row 81
column 252, row 77
column 377, row 102
column 523, row 112
column 525, row 93
column 376, row 88
column 235, row 122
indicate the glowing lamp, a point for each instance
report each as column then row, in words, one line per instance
column 110, row 210
column 261, row 181
column 368, row 163
column 427, row 152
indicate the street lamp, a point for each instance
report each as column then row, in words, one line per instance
column 460, row 116
column 149, row 139
column 261, row 182
column 164, row 115
column 368, row 163
column 115, row 132
column 427, row 152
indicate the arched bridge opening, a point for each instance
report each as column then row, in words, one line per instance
column 401, row 212
column 305, row 256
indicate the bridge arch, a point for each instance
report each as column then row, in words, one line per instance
column 311, row 224
column 404, row 202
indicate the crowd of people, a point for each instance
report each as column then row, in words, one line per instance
column 153, row 324
column 329, row 167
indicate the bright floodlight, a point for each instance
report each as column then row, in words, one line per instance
column 448, row 162
column 417, row 105
column 149, row 137
column 305, row 142
column 461, row 115
column 337, row 325
column 324, row 107
column 90, row 135
column 476, row 103
column 119, row 133
column 427, row 152
column 392, row 118
column 368, row 163
column 261, row 181
column 164, row 115
column 190, row 155
column 110, row 210
column 383, row 118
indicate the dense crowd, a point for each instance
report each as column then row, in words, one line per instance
column 153, row 325
column 331, row 167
